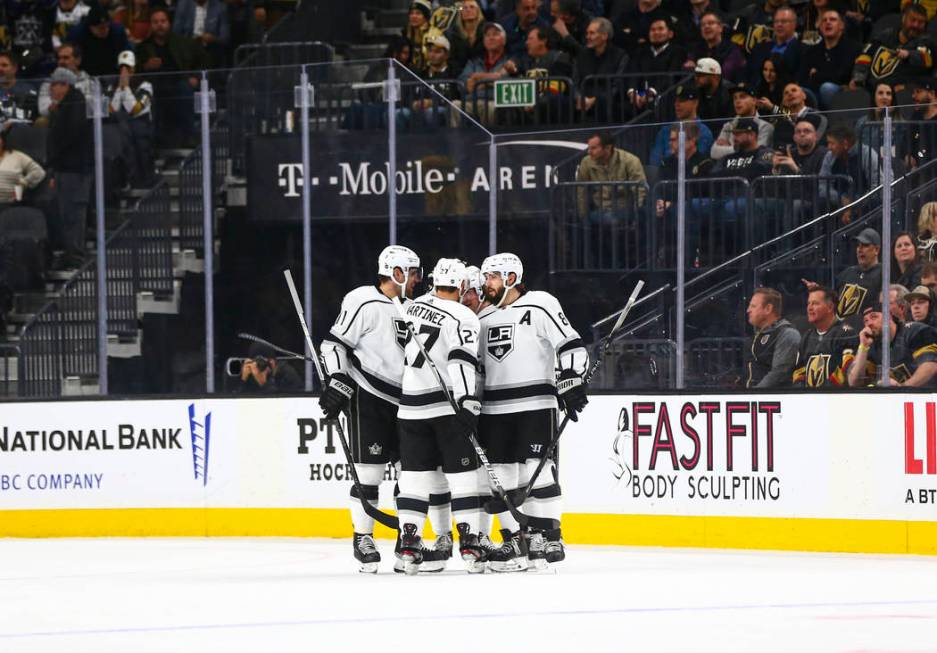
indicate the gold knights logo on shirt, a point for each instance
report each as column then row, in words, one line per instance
column 818, row 370
column 851, row 299
column 884, row 62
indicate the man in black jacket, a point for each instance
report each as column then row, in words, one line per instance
column 654, row 64
column 70, row 163
column 600, row 58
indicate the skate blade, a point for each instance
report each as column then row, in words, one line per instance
column 473, row 565
column 411, row 568
column 368, row 568
column 537, row 564
column 432, row 567
column 507, row 567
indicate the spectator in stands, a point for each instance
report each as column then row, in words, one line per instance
column 69, row 161
column 651, row 63
column 685, row 104
column 753, row 24
column 744, row 104
column 29, row 25
column 855, row 160
column 632, row 26
column 772, row 356
column 794, row 106
column 599, row 57
column 68, row 14
column 897, row 304
column 466, row 35
column 784, row 42
column 906, row 263
column 205, row 21
column 607, row 163
column 18, row 171
column 541, row 62
column 927, row 234
column 774, row 78
column 921, row 305
column 806, row 157
column 861, row 284
column 69, row 56
column 715, row 103
column 425, row 103
column 570, row 22
column 166, row 52
column 101, row 41
column 137, row 21
column 18, row 99
column 262, row 373
column 913, row 348
column 479, row 75
column 712, row 45
column 826, row 66
column 129, row 104
column 415, row 31
column 898, row 55
column 698, row 165
column 923, row 126
column 517, row 25
column 749, row 160
column 827, row 347
column 867, row 130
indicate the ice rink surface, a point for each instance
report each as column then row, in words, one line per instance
column 272, row 595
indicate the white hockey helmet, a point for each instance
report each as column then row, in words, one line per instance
column 449, row 272
column 504, row 264
column 397, row 256
column 474, row 279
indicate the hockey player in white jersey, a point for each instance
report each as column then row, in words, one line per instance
column 363, row 356
column 431, row 434
column 524, row 339
column 474, row 296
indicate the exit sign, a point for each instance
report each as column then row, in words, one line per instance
column 515, row 93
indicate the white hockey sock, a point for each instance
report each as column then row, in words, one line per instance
column 508, row 475
column 465, row 507
column 544, row 505
column 440, row 505
column 413, row 500
column 370, row 477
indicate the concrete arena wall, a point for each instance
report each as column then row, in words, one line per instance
column 799, row 472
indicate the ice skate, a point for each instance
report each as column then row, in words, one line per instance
column 366, row 553
column 511, row 556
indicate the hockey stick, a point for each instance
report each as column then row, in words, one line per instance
column 279, row 350
column 493, row 479
column 521, row 496
column 388, row 520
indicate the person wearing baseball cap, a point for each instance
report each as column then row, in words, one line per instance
column 743, row 104
column 749, row 159
column 100, row 40
column 686, row 103
column 481, row 72
column 912, row 345
column 715, row 102
column 129, row 105
column 921, row 300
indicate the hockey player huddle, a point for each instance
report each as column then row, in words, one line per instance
column 509, row 360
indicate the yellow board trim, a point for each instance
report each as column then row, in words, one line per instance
column 788, row 534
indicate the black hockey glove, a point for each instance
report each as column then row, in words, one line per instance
column 339, row 390
column 571, row 389
column 467, row 417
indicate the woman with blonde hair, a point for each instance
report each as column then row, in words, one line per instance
column 466, row 36
column 927, row 231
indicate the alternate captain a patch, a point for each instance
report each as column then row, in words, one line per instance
column 500, row 341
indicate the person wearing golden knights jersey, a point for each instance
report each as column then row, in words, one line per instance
column 770, row 360
column 523, row 341
column 913, row 348
column 861, row 284
column 827, row 347
column 363, row 356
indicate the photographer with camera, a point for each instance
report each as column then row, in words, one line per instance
column 262, row 373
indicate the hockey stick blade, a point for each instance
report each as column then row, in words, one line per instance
column 279, row 350
column 520, row 496
column 390, row 521
column 493, row 479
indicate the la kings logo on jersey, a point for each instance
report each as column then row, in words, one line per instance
column 403, row 335
column 500, row 341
